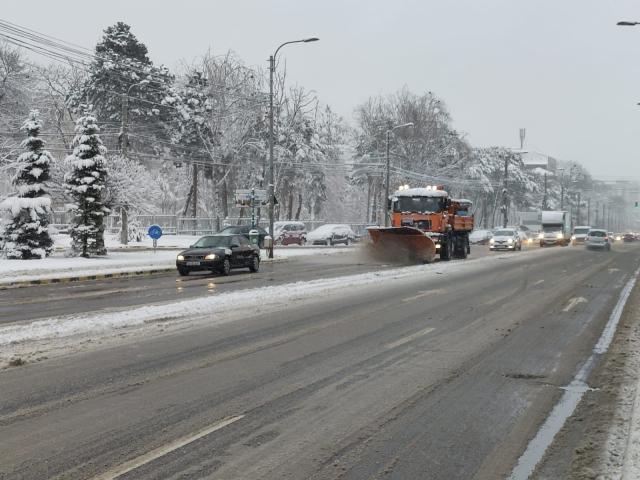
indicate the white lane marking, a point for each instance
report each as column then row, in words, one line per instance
column 160, row 451
column 407, row 339
column 613, row 270
column 572, row 394
column 573, row 302
column 426, row 293
column 538, row 282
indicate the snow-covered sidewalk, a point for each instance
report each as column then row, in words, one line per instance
column 120, row 261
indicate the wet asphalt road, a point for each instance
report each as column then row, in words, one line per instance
column 446, row 376
column 29, row 303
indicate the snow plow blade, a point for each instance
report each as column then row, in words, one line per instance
column 402, row 244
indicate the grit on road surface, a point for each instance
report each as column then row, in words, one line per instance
column 446, row 376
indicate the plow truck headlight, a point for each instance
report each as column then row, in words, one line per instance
column 181, row 257
column 541, row 236
column 559, row 236
column 437, row 246
column 211, row 256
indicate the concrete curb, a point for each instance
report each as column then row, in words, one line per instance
column 82, row 278
column 101, row 276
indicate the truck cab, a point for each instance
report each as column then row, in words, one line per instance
column 555, row 229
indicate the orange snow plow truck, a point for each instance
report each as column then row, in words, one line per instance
column 425, row 222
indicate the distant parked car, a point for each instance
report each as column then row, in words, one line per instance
column 629, row 237
column 244, row 231
column 219, row 253
column 505, row 239
column 331, row 234
column 597, row 238
column 289, row 233
column 480, row 237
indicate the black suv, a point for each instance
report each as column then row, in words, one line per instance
column 219, row 253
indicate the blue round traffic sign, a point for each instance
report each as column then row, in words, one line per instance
column 155, row 231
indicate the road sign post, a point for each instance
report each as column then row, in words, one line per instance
column 155, row 232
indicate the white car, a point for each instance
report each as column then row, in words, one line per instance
column 579, row 235
column 331, row 234
column 505, row 239
column 597, row 238
column 480, row 237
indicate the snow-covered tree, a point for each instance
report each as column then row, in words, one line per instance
column 85, row 184
column 28, row 234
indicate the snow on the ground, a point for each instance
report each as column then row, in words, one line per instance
column 41, row 335
column 120, row 261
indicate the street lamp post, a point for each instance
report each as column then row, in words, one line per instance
column 561, row 188
column 388, row 167
column 271, row 186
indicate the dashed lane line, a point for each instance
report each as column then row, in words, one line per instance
column 165, row 449
column 409, row 338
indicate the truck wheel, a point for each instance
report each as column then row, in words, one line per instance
column 446, row 249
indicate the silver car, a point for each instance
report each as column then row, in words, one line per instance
column 599, row 239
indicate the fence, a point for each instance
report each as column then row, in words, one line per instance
column 177, row 225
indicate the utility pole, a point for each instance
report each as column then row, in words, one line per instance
column 578, row 211
column 504, row 193
column 604, row 218
column 386, row 184
column 545, row 206
column 589, row 211
column 562, row 190
column 124, row 145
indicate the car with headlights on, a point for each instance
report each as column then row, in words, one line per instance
column 219, row 253
column 579, row 235
column 505, row 239
column 598, row 239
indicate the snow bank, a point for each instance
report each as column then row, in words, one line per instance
column 215, row 308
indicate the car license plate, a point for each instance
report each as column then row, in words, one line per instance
column 193, row 264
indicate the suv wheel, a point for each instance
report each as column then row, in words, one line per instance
column 255, row 264
column 226, row 267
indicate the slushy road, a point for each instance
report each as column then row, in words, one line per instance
column 443, row 376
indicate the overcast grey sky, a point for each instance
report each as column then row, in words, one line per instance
column 560, row 68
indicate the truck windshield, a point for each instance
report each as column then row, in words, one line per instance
column 552, row 228
column 418, row 204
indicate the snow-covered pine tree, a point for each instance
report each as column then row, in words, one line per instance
column 85, row 184
column 28, row 233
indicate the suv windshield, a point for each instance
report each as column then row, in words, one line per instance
column 418, row 204
column 581, row 231
column 213, row 241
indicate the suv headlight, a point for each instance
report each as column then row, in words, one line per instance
column 510, row 240
column 181, row 257
column 492, row 241
column 211, row 256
